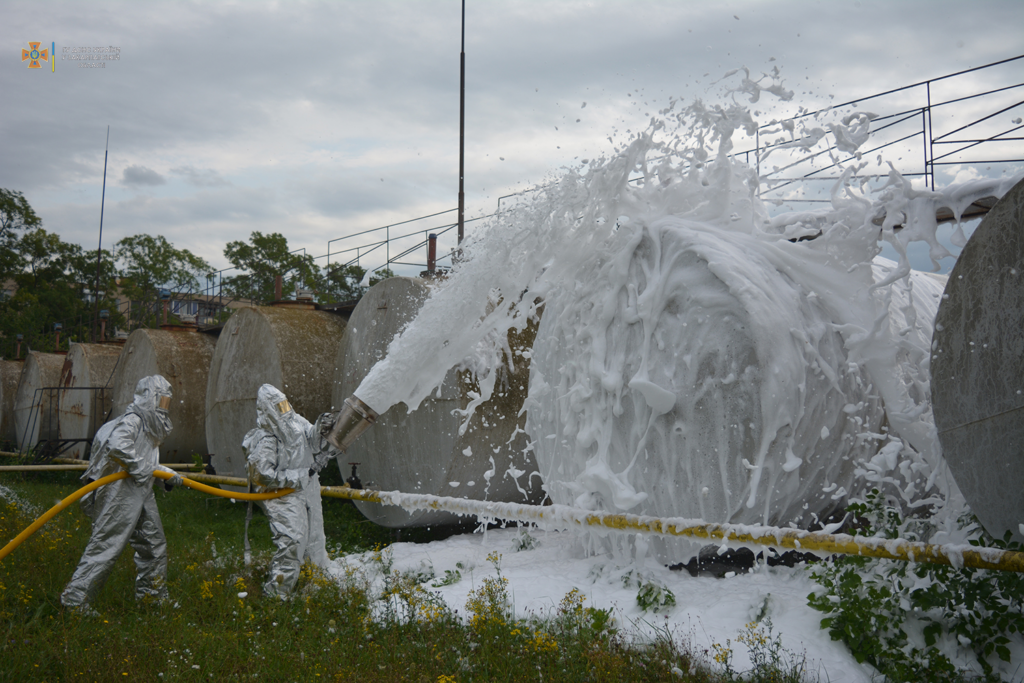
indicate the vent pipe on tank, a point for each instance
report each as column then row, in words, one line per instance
column 165, row 296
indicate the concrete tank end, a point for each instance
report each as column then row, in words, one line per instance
column 35, row 412
column 977, row 368
column 82, row 411
column 422, row 451
column 290, row 347
column 183, row 358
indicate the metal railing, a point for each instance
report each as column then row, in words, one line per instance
column 931, row 126
column 952, row 120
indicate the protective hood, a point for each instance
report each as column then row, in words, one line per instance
column 275, row 415
column 152, row 398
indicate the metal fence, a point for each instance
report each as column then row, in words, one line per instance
column 970, row 118
column 933, row 128
column 43, row 428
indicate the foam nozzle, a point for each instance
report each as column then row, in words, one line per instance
column 354, row 419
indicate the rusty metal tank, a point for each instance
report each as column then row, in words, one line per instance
column 423, row 452
column 182, row 354
column 290, row 345
column 35, row 403
column 85, row 393
column 10, row 374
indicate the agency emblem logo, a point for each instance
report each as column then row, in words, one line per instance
column 34, row 55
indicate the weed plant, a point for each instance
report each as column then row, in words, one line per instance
column 904, row 618
column 218, row 627
column 772, row 663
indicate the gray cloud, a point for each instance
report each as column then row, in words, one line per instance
column 140, row 176
column 200, row 177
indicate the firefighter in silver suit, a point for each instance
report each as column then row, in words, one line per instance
column 286, row 451
column 125, row 512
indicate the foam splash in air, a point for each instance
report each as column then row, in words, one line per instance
column 694, row 359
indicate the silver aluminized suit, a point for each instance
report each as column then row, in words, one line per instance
column 125, row 511
column 284, row 452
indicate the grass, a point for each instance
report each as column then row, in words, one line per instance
column 332, row 630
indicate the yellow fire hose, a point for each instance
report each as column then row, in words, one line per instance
column 564, row 517
column 55, row 510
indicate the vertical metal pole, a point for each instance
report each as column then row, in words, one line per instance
column 924, row 143
column 99, row 248
column 929, row 149
column 757, row 158
column 462, row 127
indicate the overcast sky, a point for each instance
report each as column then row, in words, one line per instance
column 322, row 119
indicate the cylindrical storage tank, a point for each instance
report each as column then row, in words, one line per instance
column 671, row 387
column 695, row 375
column 422, row 451
column 291, row 346
column 10, row 374
column 85, row 393
column 35, row 408
column 977, row 369
column 182, row 355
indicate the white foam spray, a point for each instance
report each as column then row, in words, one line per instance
column 693, row 358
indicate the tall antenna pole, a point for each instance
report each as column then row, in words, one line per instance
column 462, row 128
column 99, row 249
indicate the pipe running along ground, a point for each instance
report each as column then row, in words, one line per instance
column 50, row 463
column 556, row 517
column 56, row 509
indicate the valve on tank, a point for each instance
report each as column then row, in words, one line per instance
column 353, row 481
column 354, row 419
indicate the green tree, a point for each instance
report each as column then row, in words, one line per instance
column 83, row 270
column 49, row 288
column 339, row 283
column 15, row 215
column 149, row 264
column 380, row 274
column 262, row 259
